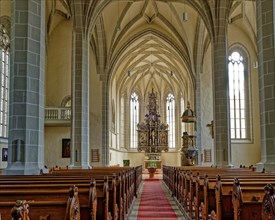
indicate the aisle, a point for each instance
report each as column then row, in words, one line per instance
column 155, row 203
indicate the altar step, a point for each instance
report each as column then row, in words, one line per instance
column 157, row 176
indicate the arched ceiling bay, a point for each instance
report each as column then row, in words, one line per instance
column 149, row 44
column 142, row 41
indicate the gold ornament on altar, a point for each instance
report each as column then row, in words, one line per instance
column 152, row 134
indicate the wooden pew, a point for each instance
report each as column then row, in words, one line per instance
column 106, row 188
column 191, row 192
column 268, row 205
column 126, row 191
column 58, row 209
column 131, row 181
column 253, row 202
column 53, row 194
column 221, row 197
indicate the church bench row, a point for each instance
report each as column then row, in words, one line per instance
column 233, row 199
column 58, row 193
column 172, row 176
column 199, row 192
column 125, row 193
column 170, row 173
column 191, row 192
column 133, row 172
column 51, row 202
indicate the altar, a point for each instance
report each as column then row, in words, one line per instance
column 152, row 133
column 152, row 163
column 152, row 137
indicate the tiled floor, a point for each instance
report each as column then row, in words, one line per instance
column 134, row 210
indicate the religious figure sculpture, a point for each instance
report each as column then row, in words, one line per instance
column 20, row 211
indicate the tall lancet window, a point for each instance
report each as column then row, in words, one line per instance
column 238, row 95
column 170, row 118
column 4, row 74
column 134, row 119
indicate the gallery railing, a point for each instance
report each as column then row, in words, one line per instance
column 53, row 114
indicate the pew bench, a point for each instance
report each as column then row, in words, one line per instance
column 125, row 184
column 191, row 192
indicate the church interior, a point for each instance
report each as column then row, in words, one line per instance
column 152, row 84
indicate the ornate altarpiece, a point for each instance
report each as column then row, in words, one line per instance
column 152, row 134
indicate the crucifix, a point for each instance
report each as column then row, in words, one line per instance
column 211, row 128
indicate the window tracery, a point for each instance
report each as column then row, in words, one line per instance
column 238, row 96
column 4, row 74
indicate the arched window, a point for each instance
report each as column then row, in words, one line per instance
column 134, row 119
column 182, row 109
column 4, row 77
column 239, row 96
column 66, row 107
column 170, row 118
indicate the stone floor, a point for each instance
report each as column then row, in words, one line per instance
column 134, row 210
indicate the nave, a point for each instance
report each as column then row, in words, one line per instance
column 154, row 201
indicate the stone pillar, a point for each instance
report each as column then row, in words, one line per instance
column 198, row 115
column 222, row 142
column 80, row 150
column 26, row 108
column 105, row 114
column 266, row 57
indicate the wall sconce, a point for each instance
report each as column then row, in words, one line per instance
column 185, row 16
column 255, row 64
column 118, row 27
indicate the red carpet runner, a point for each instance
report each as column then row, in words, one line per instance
column 154, row 204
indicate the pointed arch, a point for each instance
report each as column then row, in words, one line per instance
column 239, row 93
column 170, row 119
column 134, row 119
column 4, row 74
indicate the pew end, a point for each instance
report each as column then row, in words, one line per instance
column 268, row 205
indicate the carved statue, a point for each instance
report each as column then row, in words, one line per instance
column 73, row 207
column 20, row 211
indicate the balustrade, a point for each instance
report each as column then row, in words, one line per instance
column 56, row 114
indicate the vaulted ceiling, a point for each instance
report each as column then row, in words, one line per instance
column 141, row 43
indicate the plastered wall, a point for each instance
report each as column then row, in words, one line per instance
column 53, row 146
column 207, row 108
column 247, row 152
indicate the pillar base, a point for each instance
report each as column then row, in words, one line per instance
column 230, row 165
column 223, row 165
column 267, row 166
column 79, row 167
column 19, row 168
